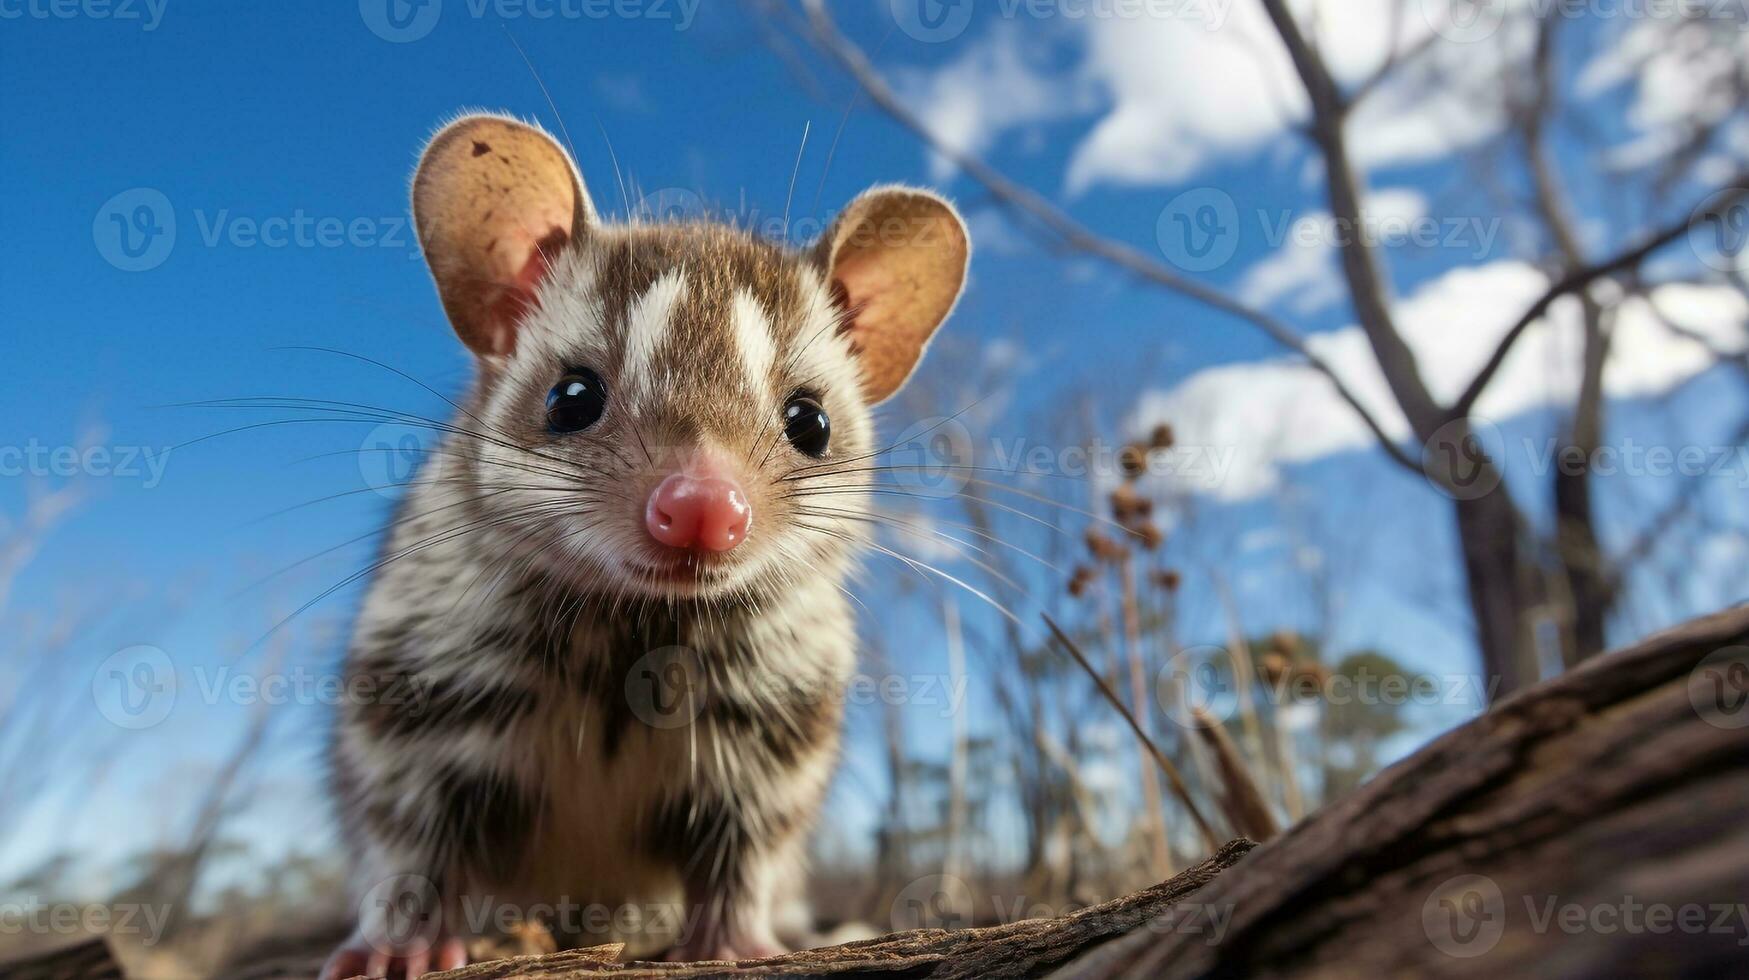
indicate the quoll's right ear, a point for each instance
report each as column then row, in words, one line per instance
column 896, row 259
column 494, row 201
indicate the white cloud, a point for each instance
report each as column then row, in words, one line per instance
column 1304, row 275
column 1000, row 83
column 1302, row 267
column 1169, row 97
column 1180, row 95
column 993, row 232
column 1679, row 73
column 1174, row 95
column 1270, row 413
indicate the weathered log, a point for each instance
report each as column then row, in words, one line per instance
column 1537, row 840
column 1027, row 948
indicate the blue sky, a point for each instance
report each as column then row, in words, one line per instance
column 243, row 114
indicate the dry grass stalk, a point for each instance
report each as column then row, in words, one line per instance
column 1244, row 678
column 1292, row 796
column 1241, row 799
column 953, row 862
column 1132, row 628
column 1173, row 776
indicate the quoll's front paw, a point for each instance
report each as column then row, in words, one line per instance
column 361, row 957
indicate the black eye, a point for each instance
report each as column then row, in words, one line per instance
column 806, row 425
column 576, row 402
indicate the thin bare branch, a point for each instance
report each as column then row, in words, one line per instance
column 1396, row 59
column 1077, row 236
column 1579, row 279
column 1367, row 285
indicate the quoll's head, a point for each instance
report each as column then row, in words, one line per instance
column 671, row 410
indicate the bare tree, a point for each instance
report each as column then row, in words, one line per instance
column 1501, row 553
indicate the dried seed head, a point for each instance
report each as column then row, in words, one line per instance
column 1081, row 579
column 1150, row 535
column 1168, row 579
column 1285, row 643
column 1128, row 506
column 1134, row 459
column 1161, row 437
column 1103, row 548
column 1274, row 668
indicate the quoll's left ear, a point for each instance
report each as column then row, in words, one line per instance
column 494, row 201
column 896, row 260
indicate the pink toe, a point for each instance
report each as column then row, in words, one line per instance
column 343, row 965
column 452, row 954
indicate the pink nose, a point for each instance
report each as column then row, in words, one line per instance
column 693, row 512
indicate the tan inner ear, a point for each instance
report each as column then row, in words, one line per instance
column 900, row 259
column 494, row 201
